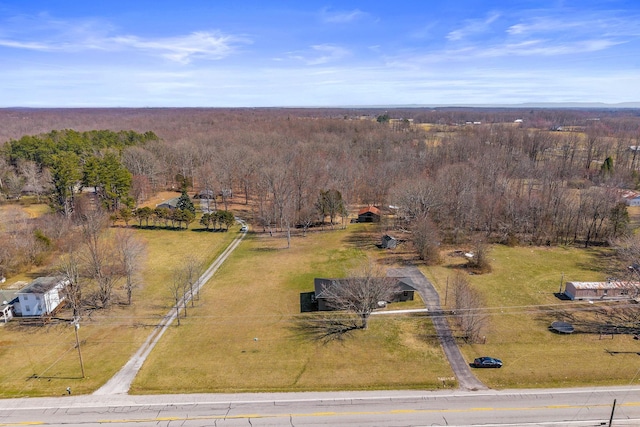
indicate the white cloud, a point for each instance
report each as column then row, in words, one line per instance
column 342, row 17
column 546, row 48
column 602, row 23
column 473, row 27
column 322, row 54
column 26, row 45
column 184, row 49
column 45, row 34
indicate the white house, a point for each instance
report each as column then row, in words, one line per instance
column 40, row 297
column 7, row 300
column 630, row 197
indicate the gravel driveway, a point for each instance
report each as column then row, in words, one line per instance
column 466, row 378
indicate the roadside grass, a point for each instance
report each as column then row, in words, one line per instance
column 242, row 335
column 520, row 298
column 43, row 361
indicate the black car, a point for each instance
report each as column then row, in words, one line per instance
column 487, row 362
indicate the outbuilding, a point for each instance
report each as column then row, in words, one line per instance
column 369, row 214
column 388, row 242
column 614, row 289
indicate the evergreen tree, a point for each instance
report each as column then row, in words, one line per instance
column 185, row 203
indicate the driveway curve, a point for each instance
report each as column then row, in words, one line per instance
column 466, row 379
column 121, row 381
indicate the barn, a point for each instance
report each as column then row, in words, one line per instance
column 369, row 214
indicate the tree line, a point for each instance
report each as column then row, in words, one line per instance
column 58, row 164
column 449, row 182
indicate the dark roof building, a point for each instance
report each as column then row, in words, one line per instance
column 369, row 214
column 404, row 291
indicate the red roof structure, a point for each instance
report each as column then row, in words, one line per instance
column 369, row 209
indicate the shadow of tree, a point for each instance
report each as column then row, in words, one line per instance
column 325, row 328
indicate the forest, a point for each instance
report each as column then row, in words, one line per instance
column 447, row 175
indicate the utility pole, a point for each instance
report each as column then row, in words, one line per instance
column 76, row 326
column 561, row 281
column 612, row 411
column 446, row 292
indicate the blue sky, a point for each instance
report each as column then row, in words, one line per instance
column 161, row 53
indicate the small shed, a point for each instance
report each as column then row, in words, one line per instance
column 369, row 214
column 388, row 242
column 614, row 289
column 40, row 297
column 205, row 194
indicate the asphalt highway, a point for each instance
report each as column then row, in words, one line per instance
column 569, row 407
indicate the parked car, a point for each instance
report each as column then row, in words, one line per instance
column 487, row 362
column 244, row 228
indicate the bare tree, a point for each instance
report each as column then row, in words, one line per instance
column 480, row 262
column 415, row 199
column 176, row 287
column 426, row 240
column 468, row 306
column 130, row 251
column 192, row 270
column 13, row 184
column 100, row 256
column 70, row 269
column 35, row 182
column 361, row 292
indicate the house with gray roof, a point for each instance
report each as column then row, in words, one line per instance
column 40, row 297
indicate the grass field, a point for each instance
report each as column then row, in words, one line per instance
column 108, row 338
column 241, row 335
column 520, row 292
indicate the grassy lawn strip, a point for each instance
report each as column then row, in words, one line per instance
column 240, row 337
column 519, row 291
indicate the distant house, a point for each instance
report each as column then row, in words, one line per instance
column 388, row 242
column 631, row 198
column 614, row 289
column 205, row 194
column 169, row 204
column 40, row 297
column 369, row 214
column 404, row 291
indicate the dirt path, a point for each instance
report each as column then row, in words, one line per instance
column 460, row 367
column 121, row 382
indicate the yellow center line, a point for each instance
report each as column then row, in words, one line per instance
column 330, row 414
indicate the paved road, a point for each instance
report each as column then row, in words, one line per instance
column 121, row 382
column 572, row 407
column 460, row 367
